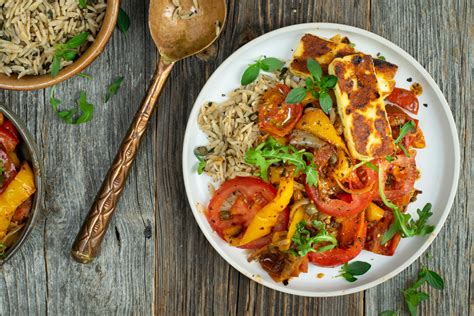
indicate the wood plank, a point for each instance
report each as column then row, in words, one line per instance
column 43, row 277
column 439, row 35
column 209, row 285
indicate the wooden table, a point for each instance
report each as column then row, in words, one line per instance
column 154, row 258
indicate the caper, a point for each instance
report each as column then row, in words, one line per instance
column 225, row 215
column 310, row 209
column 201, row 151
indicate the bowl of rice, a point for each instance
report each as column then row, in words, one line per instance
column 39, row 37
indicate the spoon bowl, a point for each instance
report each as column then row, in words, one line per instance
column 179, row 28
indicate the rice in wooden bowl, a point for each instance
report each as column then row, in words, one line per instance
column 31, row 30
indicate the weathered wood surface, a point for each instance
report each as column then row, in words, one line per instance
column 154, row 258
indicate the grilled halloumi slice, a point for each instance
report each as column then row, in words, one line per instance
column 361, row 107
column 324, row 51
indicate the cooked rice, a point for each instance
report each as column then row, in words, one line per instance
column 29, row 29
column 232, row 128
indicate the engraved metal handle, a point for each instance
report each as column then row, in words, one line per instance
column 93, row 230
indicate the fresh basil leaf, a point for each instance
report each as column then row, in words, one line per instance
column 123, row 21
column 329, row 82
column 434, row 280
column 349, row 277
column 296, row 95
column 272, row 64
column 357, row 267
column 113, row 88
column 388, row 313
column 77, row 40
column 82, row 4
column 250, row 74
column 69, row 55
column 314, row 69
column 325, row 101
column 55, row 66
column 86, row 108
column 315, row 94
column 309, row 83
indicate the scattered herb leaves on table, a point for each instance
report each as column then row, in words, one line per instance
column 350, row 270
column 123, row 21
column 86, row 109
column 413, row 297
column 316, row 84
column 113, row 88
column 269, row 64
column 272, row 152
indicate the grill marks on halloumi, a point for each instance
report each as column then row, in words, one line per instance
column 324, row 51
column 361, row 107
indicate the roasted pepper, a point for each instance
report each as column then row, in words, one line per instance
column 295, row 217
column 374, row 213
column 317, row 123
column 17, row 192
column 266, row 218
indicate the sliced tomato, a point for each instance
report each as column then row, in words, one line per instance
column 342, row 204
column 245, row 196
column 8, row 125
column 8, row 139
column 375, row 234
column 351, row 238
column 397, row 118
column 405, row 99
column 8, row 170
column 399, row 177
column 275, row 116
column 281, row 225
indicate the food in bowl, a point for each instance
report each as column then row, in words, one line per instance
column 33, row 33
column 303, row 181
column 17, row 187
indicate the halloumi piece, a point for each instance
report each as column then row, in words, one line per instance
column 324, row 51
column 361, row 107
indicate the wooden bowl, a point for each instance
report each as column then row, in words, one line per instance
column 28, row 151
column 95, row 49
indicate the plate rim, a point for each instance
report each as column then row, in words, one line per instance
column 439, row 96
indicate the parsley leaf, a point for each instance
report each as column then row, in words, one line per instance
column 304, row 242
column 113, row 88
column 269, row 64
column 123, row 22
column 317, row 84
column 272, row 152
column 414, row 297
column 349, row 270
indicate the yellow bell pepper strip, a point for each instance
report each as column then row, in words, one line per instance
column 294, row 220
column 17, row 192
column 266, row 217
column 343, row 168
column 317, row 123
column 374, row 213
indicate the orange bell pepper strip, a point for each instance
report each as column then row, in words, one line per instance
column 266, row 217
column 17, row 192
column 295, row 218
column 317, row 123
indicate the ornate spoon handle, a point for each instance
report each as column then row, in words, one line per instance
column 93, row 230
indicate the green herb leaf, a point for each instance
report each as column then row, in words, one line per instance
column 328, row 82
column 84, row 75
column 419, row 225
column 250, row 74
column 86, row 108
column 123, row 22
column 272, row 64
column 201, row 164
column 3, row 249
column 304, row 242
column 69, row 55
column 349, row 270
column 388, row 313
column 55, row 66
column 325, row 101
column 314, row 69
column 405, row 151
column 296, row 95
column 434, row 280
column 309, row 83
column 349, row 277
column 404, row 130
column 82, row 4
column 113, row 88
column 381, row 57
column 76, row 41
column 390, row 158
column 272, row 152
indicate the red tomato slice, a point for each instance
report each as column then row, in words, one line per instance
column 8, row 139
column 9, row 170
column 397, row 118
column 8, row 125
column 351, row 240
column 375, row 234
column 247, row 195
column 399, row 176
column 275, row 116
column 344, row 205
column 405, row 99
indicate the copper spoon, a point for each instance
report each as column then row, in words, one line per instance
column 179, row 28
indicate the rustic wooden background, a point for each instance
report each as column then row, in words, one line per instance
column 154, row 258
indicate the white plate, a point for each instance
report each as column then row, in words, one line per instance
column 439, row 162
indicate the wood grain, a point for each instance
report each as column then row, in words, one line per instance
column 154, row 258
